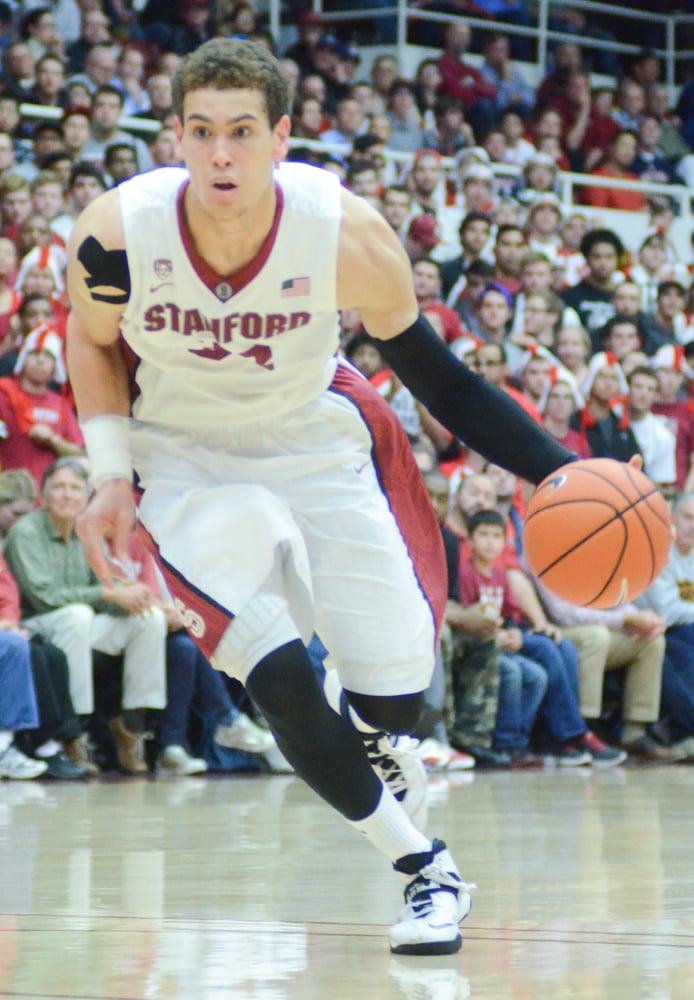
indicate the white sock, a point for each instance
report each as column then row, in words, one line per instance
column 390, row 829
column 6, row 737
column 48, row 749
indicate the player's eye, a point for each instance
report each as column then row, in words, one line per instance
column 200, row 132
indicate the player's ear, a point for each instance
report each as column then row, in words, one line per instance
column 282, row 131
column 177, row 127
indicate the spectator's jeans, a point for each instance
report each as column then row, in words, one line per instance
column 522, row 688
column 678, row 681
column 77, row 630
column 17, row 699
column 190, row 676
column 559, row 710
column 600, row 649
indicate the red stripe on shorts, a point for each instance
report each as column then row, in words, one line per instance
column 204, row 619
column 403, row 487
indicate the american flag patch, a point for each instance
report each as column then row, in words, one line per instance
column 295, row 286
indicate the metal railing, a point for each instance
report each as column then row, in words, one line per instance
column 404, row 15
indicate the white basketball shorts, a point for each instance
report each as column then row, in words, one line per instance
column 319, row 518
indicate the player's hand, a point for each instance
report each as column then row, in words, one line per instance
column 108, row 518
column 636, row 462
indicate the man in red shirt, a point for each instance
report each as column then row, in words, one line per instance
column 463, row 81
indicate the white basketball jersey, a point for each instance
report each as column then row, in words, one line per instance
column 216, row 351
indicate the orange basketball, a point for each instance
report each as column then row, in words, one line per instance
column 597, row 533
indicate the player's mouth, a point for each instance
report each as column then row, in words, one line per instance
column 223, row 186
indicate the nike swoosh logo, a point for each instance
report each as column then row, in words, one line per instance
column 360, row 468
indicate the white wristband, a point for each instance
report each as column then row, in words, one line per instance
column 107, row 440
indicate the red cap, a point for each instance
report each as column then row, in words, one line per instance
column 425, row 229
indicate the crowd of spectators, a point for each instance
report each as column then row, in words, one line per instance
column 589, row 332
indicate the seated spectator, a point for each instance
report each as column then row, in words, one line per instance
column 626, row 638
column 494, row 308
column 559, row 403
column 349, row 123
column 120, row 162
column 63, row 601
column 543, row 224
column 617, row 163
column 470, row 658
column 621, row 335
column 573, row 264
column 572, row 347
column 396, row 208
column 85, row 184
column 477, row 188
column 536, row 279
column 539, row 178
column 464, row 296
column 604, row 421
column 672, row 597
column 131, row 79
column 474, row 233
column 649, row 163
column 600, row 129
column 533, row 373
column 484, row 580
column 107, row 108
column 48, row 200
column 76, row 129
column 451, row 132
column 672, row 370
column 650, row 267
column 669, row 323
column 406, row 133
column 671, row 144
column 426, row 275
column 512, row 89
column 18, row 710
column 656, row 441
column 463, row 81
column 630, row 103
column 592, row 296
column 15, row 204
column 509, row 248
column 491, row 361
column 49, row 82
column 36, row 424
column 518, row 149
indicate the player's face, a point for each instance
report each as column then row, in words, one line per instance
column 229, row 148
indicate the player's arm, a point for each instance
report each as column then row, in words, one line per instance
column 98, row 288
column 374, row 275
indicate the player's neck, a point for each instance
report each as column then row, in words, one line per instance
column 228, row 243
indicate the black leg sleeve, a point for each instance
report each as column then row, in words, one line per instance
column 483, row 417
column 324, row 748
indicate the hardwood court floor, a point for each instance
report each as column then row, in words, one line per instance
column 249, row 887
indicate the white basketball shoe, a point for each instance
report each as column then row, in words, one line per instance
column 436, row 901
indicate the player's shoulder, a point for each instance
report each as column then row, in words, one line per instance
column 309, row 189
column 101, row 219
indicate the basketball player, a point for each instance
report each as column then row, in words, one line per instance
column 278, row 492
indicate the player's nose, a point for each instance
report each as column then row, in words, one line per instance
column 221, row 152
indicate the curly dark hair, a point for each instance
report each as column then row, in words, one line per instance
column 232, row 63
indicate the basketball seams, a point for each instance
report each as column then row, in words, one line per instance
column 624, row 532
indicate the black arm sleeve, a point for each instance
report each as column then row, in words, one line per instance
column 484, row 417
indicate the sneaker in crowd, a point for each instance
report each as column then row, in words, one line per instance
column 570, row 754
column 80, row 753
column 524, row 759
column 244, row 734
column 684, row 747
column 175, row 760
column 130, row 747
column 438, row 756
column 649, row 750
column 59, row 765
column 395, row 761
column 17, row 767
column 436, row 901
column 485, row 757
column 276, row 762
column 602, row 754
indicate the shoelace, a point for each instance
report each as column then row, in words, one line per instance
column 382, row 756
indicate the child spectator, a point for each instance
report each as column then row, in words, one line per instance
column 37, row 425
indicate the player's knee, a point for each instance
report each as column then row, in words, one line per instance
column 285, row 687
column 396, row 714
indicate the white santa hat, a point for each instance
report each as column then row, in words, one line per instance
column 672, row 356
column 52, row 258
column 533, row 351
column 604, row 359
column 43, row 338
column 559, row 374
